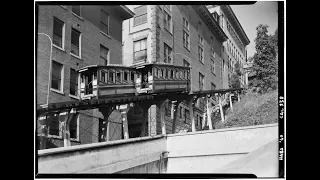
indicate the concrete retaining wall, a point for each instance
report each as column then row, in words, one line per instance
column 106, row 157
column 205, row 151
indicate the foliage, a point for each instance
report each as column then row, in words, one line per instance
column 253, row 109
column 235, row 77
column 264, row 60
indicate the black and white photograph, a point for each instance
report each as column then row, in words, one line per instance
column 173, row 89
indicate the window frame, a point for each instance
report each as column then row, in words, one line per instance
column 63, row 34
column 108, row 19
column 61, row 77
column 167, row 53
column 167, row 21
column 59, row 128
column 80, row 35
column 146, row 14
column 145, row 50
column 77, row 90
column 201, row 81
column 108, row 54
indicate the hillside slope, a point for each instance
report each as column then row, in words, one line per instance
column 253, row 109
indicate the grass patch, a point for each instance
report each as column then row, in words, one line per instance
column 253, row 109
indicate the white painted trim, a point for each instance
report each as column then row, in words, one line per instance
column 78, row 57
column 74, row 97
column 57, row 91
column 58, row 47
column 105, row 34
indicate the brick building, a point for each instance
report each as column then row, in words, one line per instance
column 235, row 47
column 185, row 35
column 81, row 36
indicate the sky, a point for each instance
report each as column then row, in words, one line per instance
column 250, row 16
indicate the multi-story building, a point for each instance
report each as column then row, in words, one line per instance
column 80, row 36
column 235, row 46
column 185, row 35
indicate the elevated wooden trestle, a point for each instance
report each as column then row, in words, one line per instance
column 67, row 110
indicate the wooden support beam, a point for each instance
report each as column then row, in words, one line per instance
column 162, row 115
column 209, row 114
column 145, row 107
column 65, row 118
column 221, row 110
column 230, row 96
column 106, row 111
column 191, row 105
column 174, row 112
column 124, row 109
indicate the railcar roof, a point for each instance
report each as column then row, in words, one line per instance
column 104, row 66
column 159, row 64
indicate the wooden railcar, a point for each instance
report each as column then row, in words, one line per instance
column 116, row 80
column 157, row 78
column 112, row 80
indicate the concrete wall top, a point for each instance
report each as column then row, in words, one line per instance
column 95, row 145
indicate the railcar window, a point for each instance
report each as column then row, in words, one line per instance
column 102, row 78
column 172, row 74
column 125, row 76
column 111, row 74
column 161, row 73
column 132, row 76
column 177, row 74
column 166, row 74
column 181, row 74
column 118, row 77
column 155, row 72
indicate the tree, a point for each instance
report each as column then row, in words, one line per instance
column 264, row 61
column 235, row 77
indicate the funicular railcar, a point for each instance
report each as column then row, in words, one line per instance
column 158, row 77
column 99, row 81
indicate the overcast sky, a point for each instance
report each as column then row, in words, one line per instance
column 250, row 16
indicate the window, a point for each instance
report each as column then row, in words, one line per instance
column 213, row 86
column 140, row 50
column 185, row 23
column 73, row 127
column 58, row 33
column 140, row 16
column 125, row 76
column 57, row 74
column 186, row 64
column 75, row 42
column 180, row 111
column 201, row 40
column 54, row 127
column 103, row 76
column 74, row 82
column 212, row 66
column 118, row 76
column 167, row 21
column 200, row 53
column 111, row 74
column 167, row 54
column 76, row 10
column 186, row 39
column 104, row 52
column 201, row 81
column 200, row 121
column 104, row 22
column 132, row 76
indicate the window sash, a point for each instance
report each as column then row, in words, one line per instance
column 57, row 32
column 140, row 15
column 75, row 42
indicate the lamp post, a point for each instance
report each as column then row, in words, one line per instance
column 49, row 68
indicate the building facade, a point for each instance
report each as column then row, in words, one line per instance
column 185, row 35
column 235, row 47
column 81, row 36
